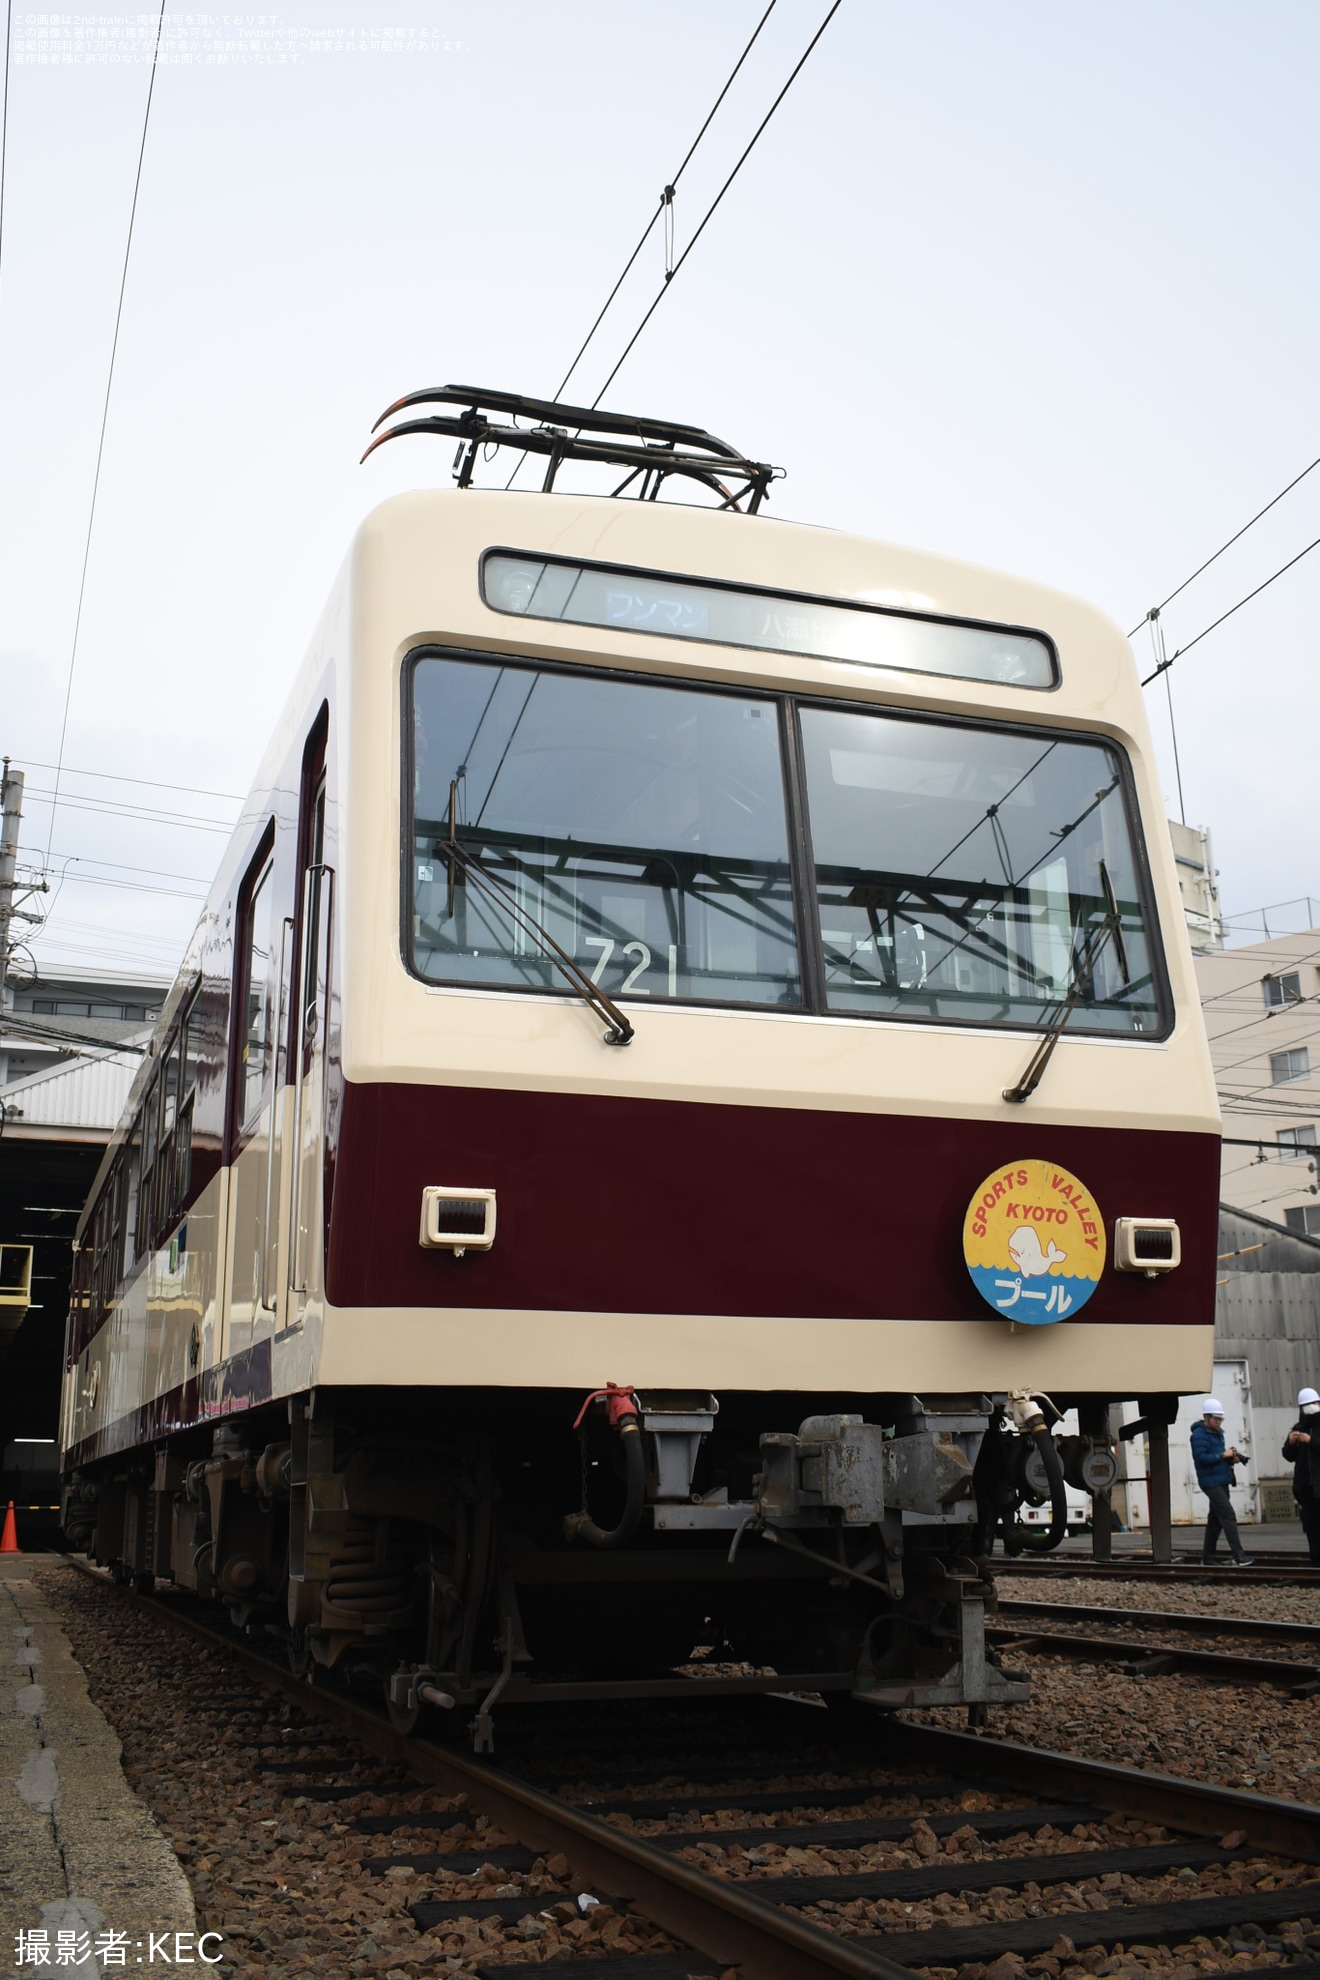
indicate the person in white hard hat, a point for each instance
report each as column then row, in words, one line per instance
column 1301, row 1448
column 1214, row 1475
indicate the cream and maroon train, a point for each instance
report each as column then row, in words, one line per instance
column 728, row 965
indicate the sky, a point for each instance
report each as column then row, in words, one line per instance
column 1029, row 284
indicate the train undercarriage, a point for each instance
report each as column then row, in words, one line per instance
column 459, row 1549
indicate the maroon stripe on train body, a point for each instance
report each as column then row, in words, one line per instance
column 663, row 1206
column 228, row 1389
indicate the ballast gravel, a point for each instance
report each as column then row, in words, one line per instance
column 283, row 1878
column 1235, row 1735
column 283, row 1875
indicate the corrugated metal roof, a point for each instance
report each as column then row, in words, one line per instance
column 1267, row 1305
column 84, row 1093
column 1249, row 1242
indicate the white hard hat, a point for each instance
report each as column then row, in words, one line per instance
column 1307, row 1396
column 1211, row 1407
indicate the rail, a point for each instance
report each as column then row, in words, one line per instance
column 757, row 1930
column 1155, row 1659
column 715, row 1916
column 1180, row 1619
column 1083, row 1568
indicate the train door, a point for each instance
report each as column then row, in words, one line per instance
column 260, row 970
column 309, row 1032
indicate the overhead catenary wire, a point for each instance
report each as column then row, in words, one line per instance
column 121, row 777
column 665, row 206
column 1236, row 537
column 711, row 209
column 123, row 866
column 1298, row 1189
column 4, row 125
column 1266, row 1098
column 141, row 814
column 1267, row 1051
column 1263, row 1103
column 167, row 952
column 1262, row 1017
column 1251, row 952
column 1157, row 641
column 105, row 419
column 1166, row 664
column 1237, row 1141
column 129, row 886
column 666, row 201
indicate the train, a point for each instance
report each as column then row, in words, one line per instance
column 689, row 1067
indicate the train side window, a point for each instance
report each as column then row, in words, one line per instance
column 308, row 1018
column 255, row 1003
column 132, row 1191
column 169, row 1092
column 119, row 1236
column 79, row 1329
column 184, row 1056
column 192, row 1044
column 147, row 1178
column 106, row 1233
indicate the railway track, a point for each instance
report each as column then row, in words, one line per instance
column 910, row 1863
column 1126, row 1641
column 1137, row 1639
column 1188, row 1621
column 1126, row 1568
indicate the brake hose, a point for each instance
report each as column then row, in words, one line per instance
column 1034, row 1541
column 621, row 1408
column 580, row 1526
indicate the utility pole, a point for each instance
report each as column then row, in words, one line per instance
column 11, row 813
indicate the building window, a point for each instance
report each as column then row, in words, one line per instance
column 1295, row 1142
column 47, row 1007
column 1281, row 990
column 1290, row 1065
column 1305, row 1220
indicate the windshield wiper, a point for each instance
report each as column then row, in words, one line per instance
column 618, row 1031
column 1083, row 976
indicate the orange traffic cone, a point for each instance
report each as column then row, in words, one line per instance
column 9, row 1538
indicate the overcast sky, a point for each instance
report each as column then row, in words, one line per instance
column 1025, row 283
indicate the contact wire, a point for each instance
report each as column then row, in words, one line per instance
column 105, row 418
column 665, row 201
column 710, row 210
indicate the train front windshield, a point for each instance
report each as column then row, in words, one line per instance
column 950, row 872
column 644, row 827
column 960, row 873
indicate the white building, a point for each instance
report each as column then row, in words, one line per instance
column 1262, row 1014
column 46, row 1018
column 1198, row 883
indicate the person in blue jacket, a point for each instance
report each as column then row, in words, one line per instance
column 1214, row 1475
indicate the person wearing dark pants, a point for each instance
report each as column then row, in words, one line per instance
column 1214, row 1475
column 1302, row 1450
